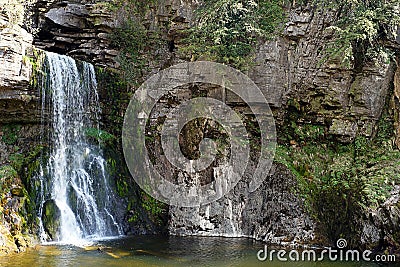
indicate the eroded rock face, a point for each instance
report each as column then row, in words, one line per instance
column 273, row 213
column 348, row 101
column 77, row 28
column 18, row 102
column 381, row 227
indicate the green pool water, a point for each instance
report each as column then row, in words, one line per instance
column 157, row 251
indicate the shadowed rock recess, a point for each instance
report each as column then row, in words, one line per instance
column 337, row 165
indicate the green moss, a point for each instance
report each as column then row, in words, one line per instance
column 116, row 95
column 152, row 206
column 17, row 160
column 100, row 135
column 10, row 133
column 36, row 62
column 134, row 218
column 122, row 188
column 7, row 172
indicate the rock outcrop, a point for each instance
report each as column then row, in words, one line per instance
column 13, row 234
column 273, row 213
column 18, row 102
column 381, row 227
column 79, row 29
column 290, row 70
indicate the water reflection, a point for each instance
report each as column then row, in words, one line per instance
column 157, row 251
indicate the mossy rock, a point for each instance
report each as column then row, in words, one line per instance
column 17, row 191
column 51, row 218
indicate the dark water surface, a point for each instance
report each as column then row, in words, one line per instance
column 157, row 251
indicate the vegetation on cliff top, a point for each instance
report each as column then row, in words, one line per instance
column 228, row 31
column 363, row 29
column 133, row 39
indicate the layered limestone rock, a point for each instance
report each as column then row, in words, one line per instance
column 18, row 102
column 78, row 29
column 81, row 29
column 292, row 71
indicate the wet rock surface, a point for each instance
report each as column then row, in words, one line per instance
column 273, row 213
column 51, row 219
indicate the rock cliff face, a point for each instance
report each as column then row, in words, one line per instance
column 346, row 101
column 273, row 213
column 76, row 28
column 289, row 70
column 17, row 101
column 19, row 115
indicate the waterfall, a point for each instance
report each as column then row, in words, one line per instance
column 76, row 200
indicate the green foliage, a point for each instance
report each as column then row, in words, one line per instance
column 10, row 134
column 134, row 218
column 7, row 171
column 227, row 31
column 362, row 29
column 133, row 39
column 152, row 206
column 17, row 160
column 100, row 135
column 26, row 164
column 309, row 132
column 135, row 7
column 122, row 188
column 340, row 181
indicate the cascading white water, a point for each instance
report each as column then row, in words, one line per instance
column 74, row 177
